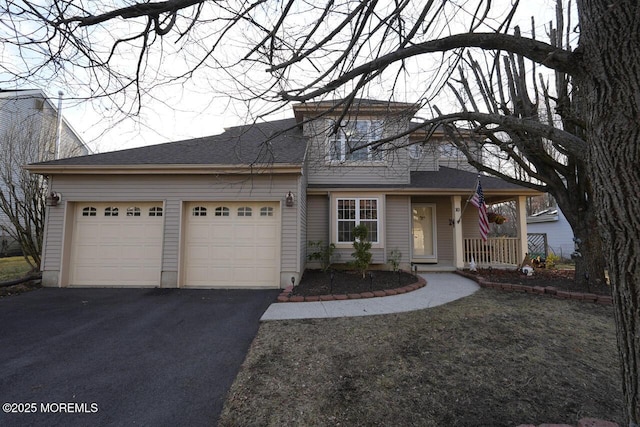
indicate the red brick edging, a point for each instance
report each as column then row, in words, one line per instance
column 539, row 290
column 286, row 295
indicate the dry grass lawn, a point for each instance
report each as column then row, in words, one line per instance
column 492, row 359
column 13, row 268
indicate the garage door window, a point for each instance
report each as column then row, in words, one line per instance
column 155, row 211
column 111, row 211
column 266, row 211
column 244, row 211
column 133, row 211
column 199, row 211
column 222, row 211
column 89, row 211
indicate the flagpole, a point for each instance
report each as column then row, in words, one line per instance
column 475, row 188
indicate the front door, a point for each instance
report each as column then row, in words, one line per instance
column 423, row 228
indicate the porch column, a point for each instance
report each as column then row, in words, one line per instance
column 521, row 224
column 458, row 244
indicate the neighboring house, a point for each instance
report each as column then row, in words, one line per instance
column 552, row 223
column 238, row 209
column 28, row 130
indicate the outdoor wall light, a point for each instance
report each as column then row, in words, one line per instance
column 53, row 199
column 289, row 199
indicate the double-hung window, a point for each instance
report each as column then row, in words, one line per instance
column 351, row 141
column 356, row 211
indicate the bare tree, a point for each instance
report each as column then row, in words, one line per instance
column 22, row 195
column 508, row 87
column 316, row 49
column 29, row 137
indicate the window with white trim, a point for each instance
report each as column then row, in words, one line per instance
column 350, row 142
column 222, row 211
column 415, row 151
column 111, row 211
column 447, row 149
column 356, row 211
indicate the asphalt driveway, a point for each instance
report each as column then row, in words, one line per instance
column 123, row 356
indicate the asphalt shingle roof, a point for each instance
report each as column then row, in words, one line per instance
column 459, row 179
column 276, row 142
column 444, row 178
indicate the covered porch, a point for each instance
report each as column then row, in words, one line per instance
column 445, row 232
column 454, row 242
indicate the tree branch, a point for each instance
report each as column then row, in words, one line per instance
column 543, row 53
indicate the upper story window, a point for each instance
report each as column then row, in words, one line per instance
column 449, row 150
column 350, row 142
column 415, row 151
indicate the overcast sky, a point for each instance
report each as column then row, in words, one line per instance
column 191, row 111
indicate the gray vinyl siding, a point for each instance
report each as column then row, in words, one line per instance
column 344, row 256
column 428, row 160
column 398, row 226
column 394, row 170
column 173, row 191
column 469, row 222
column 52, row 245
column 318, row 218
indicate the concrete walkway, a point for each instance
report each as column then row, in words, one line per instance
column 441, row 288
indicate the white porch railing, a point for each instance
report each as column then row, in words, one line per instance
column 496, row 251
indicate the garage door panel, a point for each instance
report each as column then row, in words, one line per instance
column 116, row 250
column 219, row 254
column 242, row 250
column 266, row 231
column 245, row 232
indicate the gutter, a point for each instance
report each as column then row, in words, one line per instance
column 155, row 169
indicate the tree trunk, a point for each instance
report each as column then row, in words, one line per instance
column 610, row 45
column 581, row 215
column 590, row 263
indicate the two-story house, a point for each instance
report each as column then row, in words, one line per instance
column 28, row 133
column 238, row 209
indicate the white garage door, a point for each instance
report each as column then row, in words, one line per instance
column 232, row 244
column 117, row 244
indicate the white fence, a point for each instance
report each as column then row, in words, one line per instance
column 496, row 251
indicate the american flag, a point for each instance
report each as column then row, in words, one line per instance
column 478, row 201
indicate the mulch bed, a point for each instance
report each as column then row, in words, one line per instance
column 315, row 282
column 560, row 279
